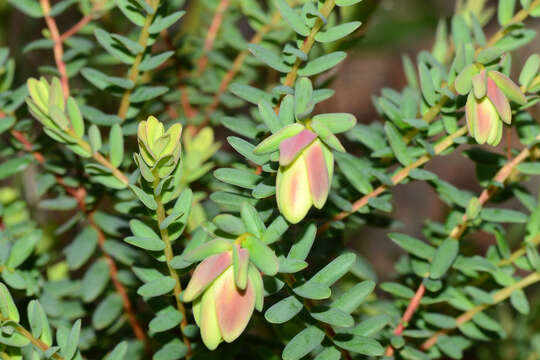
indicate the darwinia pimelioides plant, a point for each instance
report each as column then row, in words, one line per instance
column 173, row 186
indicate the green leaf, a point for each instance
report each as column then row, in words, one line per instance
column 332, row 272
column 275, row 230
column 95, row 138
column 252, row 220
column 157, row 287
column 337, row 32
column 489, row 55
column 173, row 350
column 269, row 57
column 361, row 345
column 249, row 93
column 505, row 11
column 246, row 149
column 397, row 144
column 347, row 2
column 261, row 255
column 503, row 215
column 161, row 23
column 165, row 319
column 426, row 84
column 81, row 248
column 268, row 116
column 14, row 165
column 337, row 122
column 39, row 323
column 29, row 7
column 519, row 301
column 329, row 353
column 440, row 320
column 292, row 18
column 145, row 198
column 353, row 170
column 107, row 311
column 353, row 297
column 313, row 290
column 111, row 45
column 283, row 311
column 321, row 64
column 271, row 143
column 397, row 290
column 246, row 179
column 230, row 224
column 72, row 342
column 529, row 71
column 333, row 316
column 413, row 246
column 61, row 203
column 151, row 62
column 118, row 353
column 95, row 280
column 303, row 343
column 240, row 125
column 145, row 93
column 146, row 243
column 22, row 249
column 75, row 116
column 443, row 258
column 8, row 309
column 116, row 143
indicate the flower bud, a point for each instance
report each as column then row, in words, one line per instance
column 304, row 175
column 159, row 149
column 488, row 103
column 221, row 308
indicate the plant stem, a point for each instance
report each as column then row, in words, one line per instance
column 79, row 194
column 498, row 297
column 133, row 74
column 211, row 35
column 36, row 342
column 325, row 11
column 58, row 49
column 518, row 17
column 236, row 67
column 161, row 215
column 397, row 178
column 81, row 23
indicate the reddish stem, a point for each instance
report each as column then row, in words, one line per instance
column 58, row 50
column 211, row 35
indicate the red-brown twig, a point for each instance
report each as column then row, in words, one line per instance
column 211, row 35
column 58, row 49
column 79, row 194
column 459, row 230
column 82, row 22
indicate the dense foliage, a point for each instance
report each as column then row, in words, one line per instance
column 151, row 239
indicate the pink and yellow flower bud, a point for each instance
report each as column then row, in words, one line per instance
column 488, row 103
column 221, row 308
column 304, row 175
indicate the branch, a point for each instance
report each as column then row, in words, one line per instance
column 211, row 35
column 57, row 49
column 235, row 68
column 498, row 297
column 82, row 22
column 397, row 178
column 169, row 255
column 133, row 73
column 79, row 194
